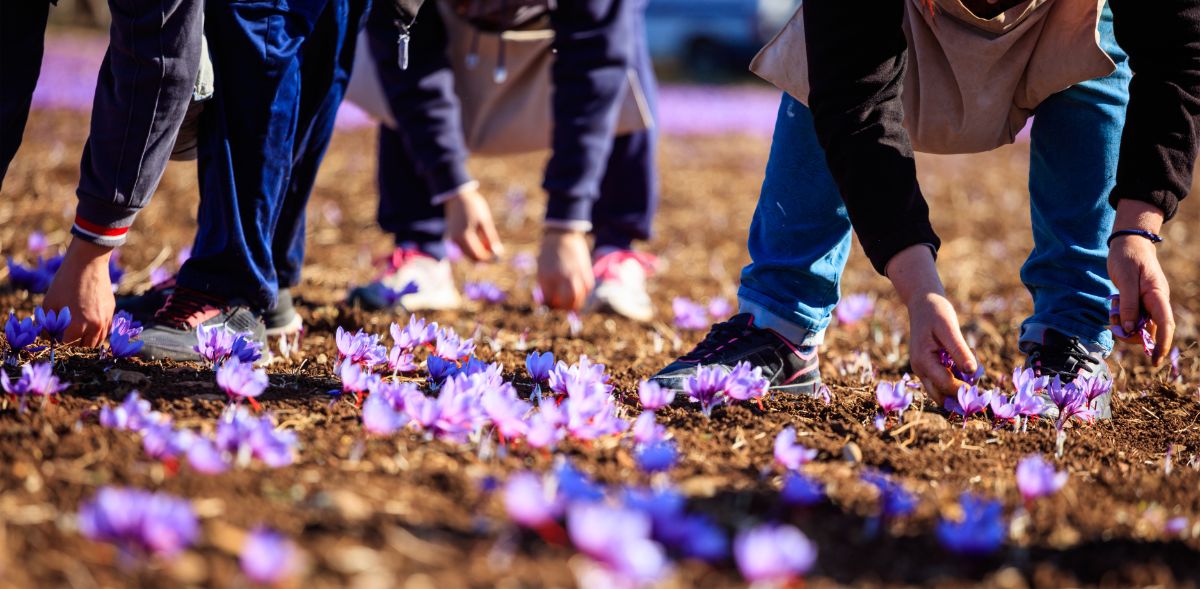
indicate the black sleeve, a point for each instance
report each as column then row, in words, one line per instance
column 1158, row 144
column 856, row 63
column 422, row 97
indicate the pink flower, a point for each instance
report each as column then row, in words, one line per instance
column 653, row 396
column 790, row 454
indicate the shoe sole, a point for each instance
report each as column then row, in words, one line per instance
column 294, row 325
column 604, row 306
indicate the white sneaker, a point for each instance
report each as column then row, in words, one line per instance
column 621, row 283
column 413, row 280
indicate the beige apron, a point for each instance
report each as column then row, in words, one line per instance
column 512, row 116
column 971, row 83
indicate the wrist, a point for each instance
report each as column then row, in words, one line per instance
column 84, row 250
column 914, row 274
column 1135, row 214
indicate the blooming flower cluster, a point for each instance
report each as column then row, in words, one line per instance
column 35, row 380
column 139, row 522
column 711, row 386
column 894, row 397
column 122, row 337
column 1028, row 399
column 1037, row 478
column 217, row 344
column 239, row 437
column 692, row 315
column 20, row 333
column 484, row 292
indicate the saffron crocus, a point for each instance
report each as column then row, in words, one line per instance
column 35, row 279
column 969, row 401
column 689, row 314
column 894, row 396
column 133, row 414
column 53, row 324
column 36, row 243
column 1071, row 402
column 1094, row 386
column 653, row 396
column 213, row 343
column 706, row 387
column 485, row 292
column 449, row 346
column 139, row 522
column 981, row 530
column 539, row 365
column 36, row 379
column 122, row 345
column 719, row 309
column 774, row 554
column 161, row 441
column 531, row 504
column 948, row 362
column 246, row 436
column 506, row 411
column 356, row 378
column 400, row 361
column 854, row 308
column 267, row 557
column 360, row 347
column 1028, row 402
column 440, row 369
column 788, row 453
column 1004, row 408
column 746, row 383
column 204, row 457
column 894, row 500
column 124, row 324
column 240, row 380
column 801, row 490
column 415, row 334
column 20, row 333
column 245, row 349
column 1138, row 328
column 619, row 540
column 657, row 457
column 646, row 429
column 1037, row 478
column 380, row 418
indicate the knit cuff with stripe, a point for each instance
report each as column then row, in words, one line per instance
column 102, row 223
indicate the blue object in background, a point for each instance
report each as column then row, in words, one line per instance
column 713, row 37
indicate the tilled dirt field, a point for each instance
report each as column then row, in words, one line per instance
column 408, row 512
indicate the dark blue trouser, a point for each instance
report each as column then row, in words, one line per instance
column 280, row 77
column 22, row 39
column 623, row 213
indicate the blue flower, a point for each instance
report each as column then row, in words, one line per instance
column 576, row 486
column 539, row 365
column 20, row 333
column 123, row 346
column 801, row 490
column 894, row 499
column 981, row 530
column 657, row 457
column 53, row 324
column 439, row 369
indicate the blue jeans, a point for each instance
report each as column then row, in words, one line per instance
column 800, row 235
column 281, row 71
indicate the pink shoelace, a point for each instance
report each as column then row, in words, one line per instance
column 606, row 267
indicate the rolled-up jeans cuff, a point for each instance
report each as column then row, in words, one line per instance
column 799, row 335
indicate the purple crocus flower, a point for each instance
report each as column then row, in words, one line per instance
column 1028, row 402
column 539, row 365
column 969, row 401
column 53, row 324
column 948, row 362
column 161, row 441
column 449, row 346
column 204, row 457
column 124, row 324
column 773, row 553
column 486, row 292
column 790, row 454
column 894, row 500
column 140, row 522
column 653, row 396
column 213, row 343
column 267, row 557
column 619, row 540
column 1004, row 408
column 1071, row 402
column 801, row 490
column 131, row 415
column 36, row 244
column 981, row 530
column 1093, row 387
column 706, row 387
column 356, row 378
column 1026, row 381
column 36, row 379
column 1037, row 478
column 506, row 411
column 122, row 345
column 719, row 309
column 246, row 436
column 415, row 334
column 894, row 396
column 35, row 279
column 360, row 347
column 392, row 296
column 746, row 383
column 240, row 380
column 440, row 369
column 524, row 262
column 20, row 333
column 657, row 457
column 689, row 314
column 646, row 430
column 854, row 308
column 245, row 349
column 529, row 503
column 379, row 417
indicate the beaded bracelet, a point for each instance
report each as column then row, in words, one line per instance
column 1153, row 237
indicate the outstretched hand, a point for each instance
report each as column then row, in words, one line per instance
column 1134, row 269
column 565, row 269
column 83, row 285
column 470, row 226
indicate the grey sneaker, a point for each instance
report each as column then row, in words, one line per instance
column 281, row 320
column 172, row 332
column 789, row 368
column 1068, row 358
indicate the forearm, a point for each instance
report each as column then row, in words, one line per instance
column 1159, row 141
column 593, row 46
column 856, row 61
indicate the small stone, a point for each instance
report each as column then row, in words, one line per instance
column 851, row 452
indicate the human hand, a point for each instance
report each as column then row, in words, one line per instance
column 933, row 322
column 1134, row 269
column 565, row 269
column 470, row 226
column 82, row 284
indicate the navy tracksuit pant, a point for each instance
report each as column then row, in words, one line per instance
column 280, row 75
column 628, row 196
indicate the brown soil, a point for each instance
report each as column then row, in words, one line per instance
column 409, row 512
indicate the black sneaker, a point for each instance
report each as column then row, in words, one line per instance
column 1067, row 358
column 789, row 368
column 172, row 332
column 281, row 320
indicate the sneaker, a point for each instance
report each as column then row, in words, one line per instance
column 172, row 332
column 409, row 268
column 621, row 284
column 1067, row 358
column 281, row 320
column 789, row 368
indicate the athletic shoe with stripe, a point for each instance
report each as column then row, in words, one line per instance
column 172, row 332
column 1068, row 358
column 789, row 368
column 280, row 320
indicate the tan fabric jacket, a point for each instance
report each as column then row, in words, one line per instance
column 971, row 83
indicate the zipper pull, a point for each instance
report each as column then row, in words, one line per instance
column 402, row 50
